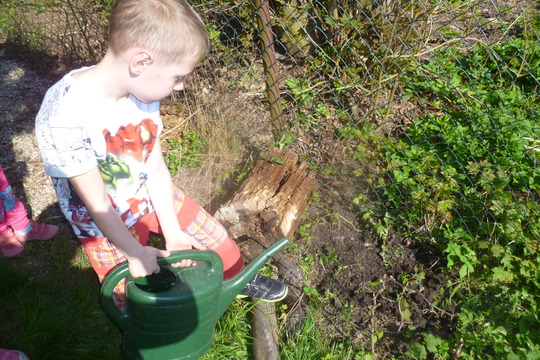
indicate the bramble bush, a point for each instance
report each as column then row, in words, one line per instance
column 463, row 179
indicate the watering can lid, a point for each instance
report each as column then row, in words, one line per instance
column 162, row 281
column 171, row 281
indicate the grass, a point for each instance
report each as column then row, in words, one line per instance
column 232, row 338
column 310, row 343
column 221, row 161
column 49, row 304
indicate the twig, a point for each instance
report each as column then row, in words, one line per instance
column 252, row 93
column 535, row 148
column 532, row 148
column 374, row 307
column 373, row 324
column 530, row 139
column 457, row 354
column 404, row 287
column 179, row 125
column 349, row 222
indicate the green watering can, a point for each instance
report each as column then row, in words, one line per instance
column 172, row 315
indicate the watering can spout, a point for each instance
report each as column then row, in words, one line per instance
column 232, row 287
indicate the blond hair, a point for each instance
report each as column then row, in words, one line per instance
column 170, row 28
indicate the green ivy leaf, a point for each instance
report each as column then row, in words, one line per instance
column 432, row 342
column 444, row 206
column 463, row 271
column 501, row 275
column 417, row 351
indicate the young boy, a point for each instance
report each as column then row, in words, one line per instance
column 98, row 133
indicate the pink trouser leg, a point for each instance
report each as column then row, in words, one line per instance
column 12, row 211
column 3, row 219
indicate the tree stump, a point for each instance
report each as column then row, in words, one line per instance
column 267, row 207
column 271, row 201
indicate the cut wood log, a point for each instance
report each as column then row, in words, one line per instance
column 265, row 332
column 267, row 207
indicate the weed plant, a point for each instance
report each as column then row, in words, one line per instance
column 307, row 343
column 184, row 152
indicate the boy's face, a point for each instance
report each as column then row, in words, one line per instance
column 158, row 81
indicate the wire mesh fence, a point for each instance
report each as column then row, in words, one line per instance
column 326, row 66
column 430, row 108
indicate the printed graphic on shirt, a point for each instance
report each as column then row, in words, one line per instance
column 133, row 141
column 79, row 216
column 112, row 169
column 123, row 169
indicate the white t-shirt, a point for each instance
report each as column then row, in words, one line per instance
column 75, row 134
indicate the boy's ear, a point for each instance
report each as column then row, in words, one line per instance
column 140, row 61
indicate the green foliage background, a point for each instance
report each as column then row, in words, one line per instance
column 463, row 179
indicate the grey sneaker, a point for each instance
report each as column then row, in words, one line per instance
column 264, row 288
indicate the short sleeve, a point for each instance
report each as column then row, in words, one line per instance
column 62, row 137
column 66, row 152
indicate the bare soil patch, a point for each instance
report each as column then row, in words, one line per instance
column 382, row 292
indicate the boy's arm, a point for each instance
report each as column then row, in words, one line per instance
column 160, row 188
column 90, row 187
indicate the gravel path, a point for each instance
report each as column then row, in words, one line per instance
column 21, row 92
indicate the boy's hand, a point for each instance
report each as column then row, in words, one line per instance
column 146, row 262
column 183, row 242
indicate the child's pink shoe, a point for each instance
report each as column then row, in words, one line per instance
column 12, row 355
column 36, row 231
column 10, row 246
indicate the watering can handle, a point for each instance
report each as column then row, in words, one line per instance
column 120, row 315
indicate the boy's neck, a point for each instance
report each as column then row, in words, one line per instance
column 106, row 79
